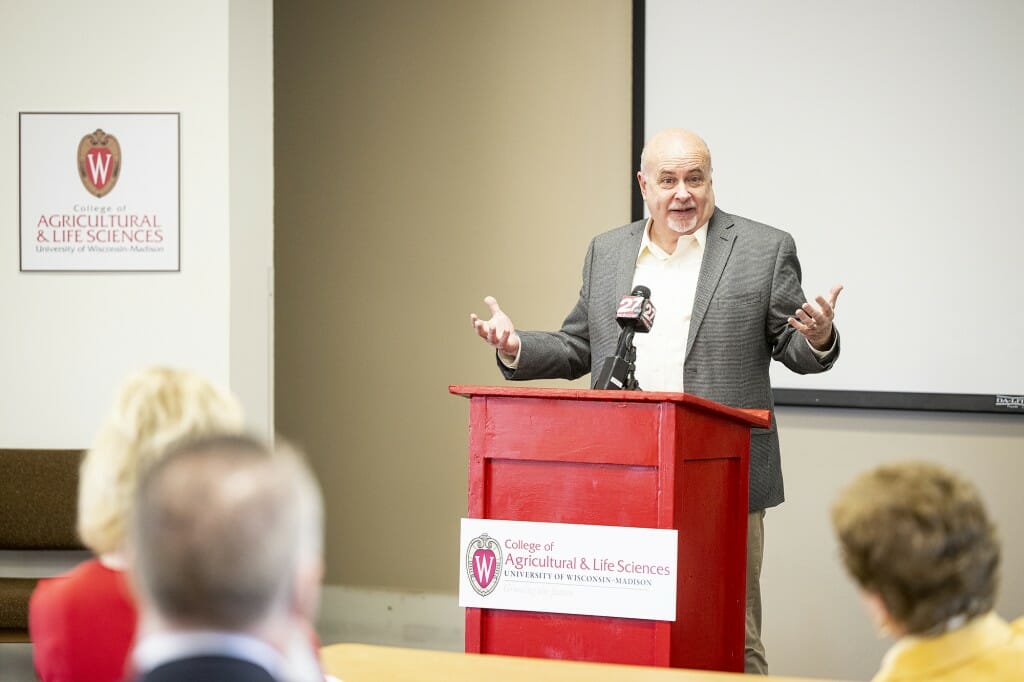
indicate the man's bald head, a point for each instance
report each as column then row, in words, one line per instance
column 674, row 143
column 222, row 528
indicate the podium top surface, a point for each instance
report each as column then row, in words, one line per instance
column 755, row 418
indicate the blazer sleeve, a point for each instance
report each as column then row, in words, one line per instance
column 788, row 345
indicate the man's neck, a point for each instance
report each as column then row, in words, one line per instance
column 668, row 240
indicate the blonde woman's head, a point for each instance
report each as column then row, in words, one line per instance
column 155, row 409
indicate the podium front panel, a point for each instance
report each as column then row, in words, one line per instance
column 640, row 464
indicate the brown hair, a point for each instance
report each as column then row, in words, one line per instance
column 918, row 536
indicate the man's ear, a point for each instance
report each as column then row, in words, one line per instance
column 642, row 181
column 306, row 588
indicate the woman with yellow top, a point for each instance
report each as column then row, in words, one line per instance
column 918, row 541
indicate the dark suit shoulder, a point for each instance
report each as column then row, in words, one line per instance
column 208, row 669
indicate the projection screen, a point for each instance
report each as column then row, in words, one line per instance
column 887, row 137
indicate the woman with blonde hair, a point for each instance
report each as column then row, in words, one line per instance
column 919, row 543
column 82, row 624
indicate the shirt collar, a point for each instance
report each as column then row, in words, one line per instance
column 159, row 648
column 647, row 245
column 920, row 655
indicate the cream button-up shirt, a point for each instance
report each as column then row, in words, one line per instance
column 672, row 279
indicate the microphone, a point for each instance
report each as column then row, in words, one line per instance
column 636, row 311
column 635, row 314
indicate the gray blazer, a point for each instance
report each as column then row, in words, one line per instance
column 749, row 284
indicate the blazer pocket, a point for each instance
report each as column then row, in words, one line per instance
column 733, row 301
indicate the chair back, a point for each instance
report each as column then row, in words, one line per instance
column 38, row 507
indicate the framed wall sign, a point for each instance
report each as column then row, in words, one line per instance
column 99, row 191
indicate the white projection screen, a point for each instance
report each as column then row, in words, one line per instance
column 888, row 137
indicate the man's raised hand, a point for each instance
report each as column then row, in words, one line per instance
column 497, row 331
column 815, row 322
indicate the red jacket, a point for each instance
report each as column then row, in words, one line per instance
column 82, row 625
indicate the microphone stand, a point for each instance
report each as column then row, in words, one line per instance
column 618, row 371
column 631, row 383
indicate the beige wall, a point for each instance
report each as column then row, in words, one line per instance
column 428, row 154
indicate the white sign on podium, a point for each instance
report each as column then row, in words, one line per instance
column 568, row 568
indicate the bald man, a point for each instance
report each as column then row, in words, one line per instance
column 729, row 299
column 227, row 543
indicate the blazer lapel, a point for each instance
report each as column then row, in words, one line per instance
column 717, row 248
column 625, row 266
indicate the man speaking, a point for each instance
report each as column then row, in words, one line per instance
column 728, row 299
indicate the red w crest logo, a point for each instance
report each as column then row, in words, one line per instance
column 99, row 162
column 483, row 564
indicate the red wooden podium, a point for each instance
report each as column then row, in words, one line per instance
column 619, row 458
